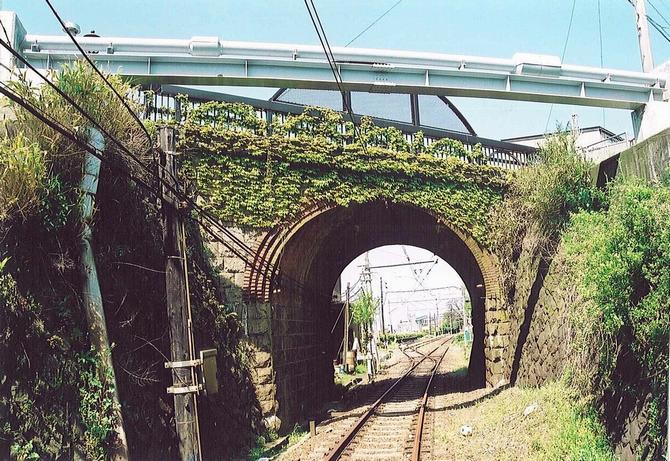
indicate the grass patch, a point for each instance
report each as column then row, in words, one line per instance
column 560, row 428
column 464, row 346
column 265, row 446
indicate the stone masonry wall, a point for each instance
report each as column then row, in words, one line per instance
column 539, row 339
column 545, row 351
column 255, row 317
column 541, row 346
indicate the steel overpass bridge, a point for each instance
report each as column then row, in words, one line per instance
column 211, row 61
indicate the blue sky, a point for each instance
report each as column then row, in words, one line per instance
column 496, row 28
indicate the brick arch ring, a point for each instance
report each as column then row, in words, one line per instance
column 261, row 275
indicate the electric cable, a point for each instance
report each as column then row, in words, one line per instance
column 330, row 57
column 565, row 48
column 207, row 215
column 177, row 193
column 659, row 13
column 98, row 126
column 5, row 90
column 95, row 68
column 373, row 23
column 660, row 29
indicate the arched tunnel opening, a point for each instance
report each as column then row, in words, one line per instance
column 314, row 254
column 413, row 292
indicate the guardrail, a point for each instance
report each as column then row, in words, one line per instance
column 163, row 106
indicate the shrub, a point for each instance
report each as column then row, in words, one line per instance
column 621, row 260
column 50, row 401
column 538, row 205
column 22, row 174
column 363, row 311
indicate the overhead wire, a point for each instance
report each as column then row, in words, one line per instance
column 264, row 264
column 659, row 12
column 97, row 71
column 565, row 48
column 373, row 23
column 86, row 146
column 332, row 63
column 104, row 131
column 83, row 144
column 659, row 28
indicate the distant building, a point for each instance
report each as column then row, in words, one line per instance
column 595, row 142
column 423, row 321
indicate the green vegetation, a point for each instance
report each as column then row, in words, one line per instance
column 613, row 246
column 539, row 203
column 266, row 448
column 559, row 428
column 363, row 311
column 55, row 395
column 22, row 173
column 403, row 337
column 260, row 181
column 621, row 260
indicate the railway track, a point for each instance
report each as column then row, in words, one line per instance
column 392, row 428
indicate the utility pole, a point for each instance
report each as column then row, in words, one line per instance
column 91, row 293
column 184, row 385
column 643, row 35
column 437, row 318
column 381, row 303
column 346, row 327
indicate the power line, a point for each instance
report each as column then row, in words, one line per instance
column 373, row 23
column 416, row 263
column 330, row 57
column 660, row 29
column 86, row 146
column 658, row 12
column 565, row 48
column 95, row 68
column 70, row 101
column 262, row 262
column 446, row 287
column 418, row 279
column 93, row 121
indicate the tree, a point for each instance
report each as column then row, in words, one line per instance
column 363, row 311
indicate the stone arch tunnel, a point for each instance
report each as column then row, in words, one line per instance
column 294, row 290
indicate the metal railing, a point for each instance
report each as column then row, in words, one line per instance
column 164, row 106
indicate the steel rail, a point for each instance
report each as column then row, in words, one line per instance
column 335, row 453
column 416, row 449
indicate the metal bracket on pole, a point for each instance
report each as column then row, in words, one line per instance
column 184, row 389
column 206, row 366
column 183, row 364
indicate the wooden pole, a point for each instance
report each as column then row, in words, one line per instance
column 185, row 412
column 381, row 303
column 346, row 327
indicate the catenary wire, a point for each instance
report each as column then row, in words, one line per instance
column 330, row 57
